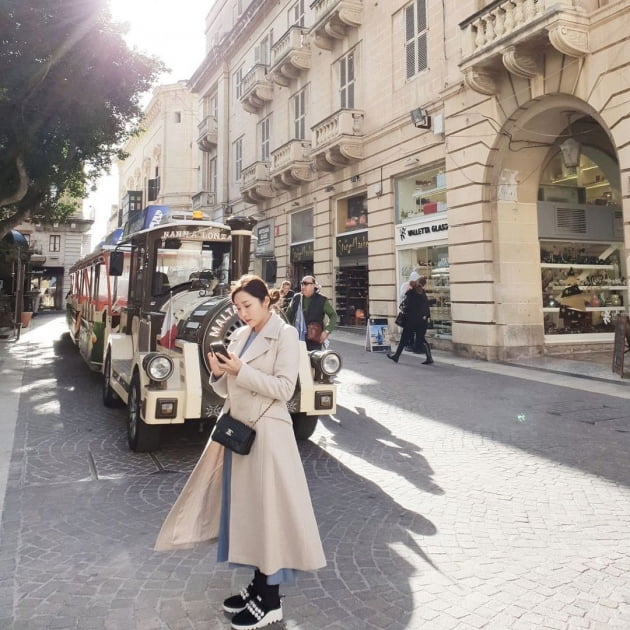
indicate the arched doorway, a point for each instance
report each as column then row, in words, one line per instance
column 580, row 226
column 560, row 275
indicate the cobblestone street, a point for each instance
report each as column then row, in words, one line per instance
column 448, row 497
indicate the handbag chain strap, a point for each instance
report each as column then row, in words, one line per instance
column 267, row 408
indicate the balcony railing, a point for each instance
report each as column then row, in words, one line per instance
column 338, row 140
column 203, row 200
column 291, row 55
column 207, row 138
column 333, row 18
column 256, row 88
column 256, row 183
column 291, row 164
column 511, row 34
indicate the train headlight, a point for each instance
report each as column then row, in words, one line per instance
column 158, row 367
column 325, row 362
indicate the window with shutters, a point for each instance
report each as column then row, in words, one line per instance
column 212, row 175
column 296, row 14
column 263, row 50
column 299, row 115
column 346, row 81
column 238, row 158
column 238, row 83
column 265, row 130
column 416, row 37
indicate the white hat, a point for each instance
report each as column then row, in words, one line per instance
column 414, row 277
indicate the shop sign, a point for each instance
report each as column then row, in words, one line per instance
column 302, row 252
column 421, row 232
column 352, row 244
column 264, row 244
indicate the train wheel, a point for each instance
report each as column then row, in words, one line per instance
column 110, row 397
column 142, row 437
column 303, row 425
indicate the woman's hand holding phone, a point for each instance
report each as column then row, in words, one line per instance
column 221, row 361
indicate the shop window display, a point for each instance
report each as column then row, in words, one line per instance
column 583, row 277
column 584, row 286
column 351, row 295
column 352, row 214
column 432, row 263
column 422, row 193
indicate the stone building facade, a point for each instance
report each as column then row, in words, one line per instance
column 161, row 167
column 482, row 144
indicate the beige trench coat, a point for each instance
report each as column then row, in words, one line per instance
column 272, row 524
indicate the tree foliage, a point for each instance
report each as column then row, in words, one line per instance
column 70, row 91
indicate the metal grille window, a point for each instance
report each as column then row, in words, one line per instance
column 265, row 129
column 54, row 243
column 346, row 81
column 416, row 37
column 299, row 115
column 296, row 14
column 238, row 158
column 238, row 83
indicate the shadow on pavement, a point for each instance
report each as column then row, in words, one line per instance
column 580, row 429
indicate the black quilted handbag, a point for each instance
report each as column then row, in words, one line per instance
column 234, row 434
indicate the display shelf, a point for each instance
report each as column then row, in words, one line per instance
column 592, row 287
column 587, row 309
column 351, row 295
column 574, row 266
column 562, row 338
column 576, row 285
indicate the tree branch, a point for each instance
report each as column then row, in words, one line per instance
column 20, row 193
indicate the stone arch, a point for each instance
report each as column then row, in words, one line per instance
column 523, row 146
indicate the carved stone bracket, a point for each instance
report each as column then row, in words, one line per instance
column 258, row 193
column 342, row 153
column 481, row 81
column 569, row 39
column 322, row 164
column 207, row 142
column 520, row 63
column 347, row 14
column 291, row 67
column 298, row 175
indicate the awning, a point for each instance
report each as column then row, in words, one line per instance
column 16, row 238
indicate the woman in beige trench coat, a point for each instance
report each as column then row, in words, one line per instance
column 258, row 506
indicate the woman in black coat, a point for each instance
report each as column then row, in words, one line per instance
column 417, row 314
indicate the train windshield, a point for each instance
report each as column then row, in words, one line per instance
column 179, row 261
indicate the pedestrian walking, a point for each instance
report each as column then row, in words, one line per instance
column 417, row 313
column 404, row 287
column 257, row 506
column 312, row 314
column 286, row 293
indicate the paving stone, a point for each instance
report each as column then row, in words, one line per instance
column 437, row 507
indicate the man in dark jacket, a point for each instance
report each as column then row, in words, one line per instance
column 417, row 314
column 308, row 311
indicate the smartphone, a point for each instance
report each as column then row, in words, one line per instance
column 218, row 347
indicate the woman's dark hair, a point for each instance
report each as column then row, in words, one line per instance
column 256, row 287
